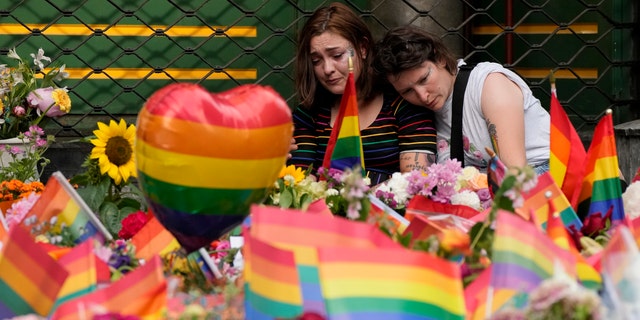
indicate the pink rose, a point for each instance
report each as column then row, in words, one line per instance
column 43, row 99
column 19, row 111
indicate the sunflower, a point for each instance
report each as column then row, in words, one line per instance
column 114, row 150
column 291, row 173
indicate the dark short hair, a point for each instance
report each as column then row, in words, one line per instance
column 407, row 47
column 341, row 20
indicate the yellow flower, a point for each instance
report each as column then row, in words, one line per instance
column 114, row 149
column 296, row 173
column 62, row 100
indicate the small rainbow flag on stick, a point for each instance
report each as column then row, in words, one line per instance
column 30, row 279
column 567, row 152
column 344, row 150
column 601, row 189
column 80, row 262
column 522, row 256
column 59, row 199
column 274, row 289
column 141, row 293
column 537, row 203
column 373, row 283
column 153, row 239
column 556, row 230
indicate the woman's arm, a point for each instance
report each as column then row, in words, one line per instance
column 503, row 108
column 416, row 161
column 416, row 137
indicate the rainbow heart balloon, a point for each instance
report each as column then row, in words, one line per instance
column 204, row 158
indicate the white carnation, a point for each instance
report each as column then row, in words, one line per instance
column 631, row 200
column 467, row 174
column 467, row 198
column 397, row 185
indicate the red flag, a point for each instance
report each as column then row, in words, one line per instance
column 566, row 163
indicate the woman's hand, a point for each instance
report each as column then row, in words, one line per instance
column 292, row 147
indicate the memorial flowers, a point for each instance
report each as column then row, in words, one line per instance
column 25, row 98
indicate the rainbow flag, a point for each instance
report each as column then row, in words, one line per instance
column 141, row 293
column 153, row 239
column 556, row 230
column 30, row 279
column 565, row 148
column 619, row 265
column 496, row 171
column 344, row 150
column 601, row 188
column 476, row 293
column 535, row 200
column 303, row 233
column 80, row 262
column 522, row 256
column 374, row 283
column 274, row 287
column 59, row 199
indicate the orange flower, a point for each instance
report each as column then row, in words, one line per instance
column 454, row 240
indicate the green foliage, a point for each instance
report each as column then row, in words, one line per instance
column 111, row 201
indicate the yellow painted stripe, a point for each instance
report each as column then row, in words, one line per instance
column 128, row 30
column 205, row 172
column 150, row 74
column 539, row 28
column 540, row 73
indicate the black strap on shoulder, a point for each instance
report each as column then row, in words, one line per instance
column 459, row 87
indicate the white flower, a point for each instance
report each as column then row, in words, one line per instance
column 13, row 54
column 631, row 200
column 468, row 174
column 37, row 58
column 332, row 192
column 467, row 198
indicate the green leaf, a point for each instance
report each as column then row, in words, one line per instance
column 286, row 198
column 110, row 216
column 129, row 202
column 93, row 195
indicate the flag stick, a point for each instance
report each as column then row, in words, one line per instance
column 212, row 265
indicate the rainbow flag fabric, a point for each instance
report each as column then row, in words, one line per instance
column 556, row 230
column 344, row 150
column 522, row 256
column 601, row 189
column 30, row 279
column 80, row 262
column 153, row 239
column 618, row 258
column 303, row 234
column 536, row 202
column 374, row 283
column 274, row 287
column 141, row 293
column 565, row 148
column 59, row 199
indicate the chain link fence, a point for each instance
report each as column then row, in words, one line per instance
column 118, row 52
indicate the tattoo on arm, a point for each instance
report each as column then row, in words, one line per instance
column 420, row 161
column 493, row 133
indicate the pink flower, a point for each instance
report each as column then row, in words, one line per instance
column 19, row 111
column 45, row 100
column 20, row 208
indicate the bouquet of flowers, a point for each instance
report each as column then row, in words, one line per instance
column 295, row 189
column 446, row 183
column 24, row 99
